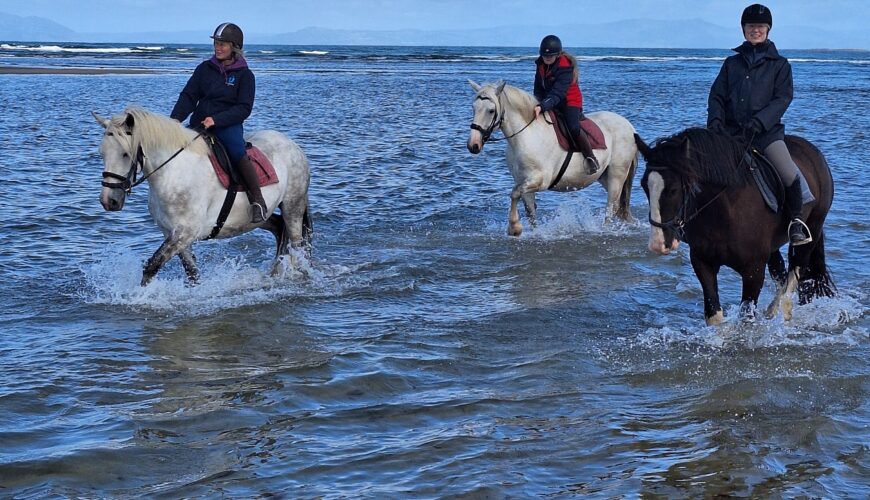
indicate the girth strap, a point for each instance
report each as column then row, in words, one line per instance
column 562, row 169
column 225, row 210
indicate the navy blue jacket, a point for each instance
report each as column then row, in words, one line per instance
column 226, row 93
column 753, row 85
column 555, row 85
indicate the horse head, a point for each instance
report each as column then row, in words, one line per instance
column 667, row 193
column 488, row 114
column 121, row 159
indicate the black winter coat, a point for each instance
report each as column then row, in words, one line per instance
column 753, row 85
column 227, row 96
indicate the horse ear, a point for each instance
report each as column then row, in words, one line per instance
column 474, row 85
column 102, row 121
column 500, row 87
column 644, row 149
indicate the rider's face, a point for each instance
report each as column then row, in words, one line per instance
column 755, row 33
column 223, row 50
column 550, row 59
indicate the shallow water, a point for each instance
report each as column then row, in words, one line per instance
column 422, row 352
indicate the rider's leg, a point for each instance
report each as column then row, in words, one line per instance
column 798, row 232
column 232, row 138
column 572, row 118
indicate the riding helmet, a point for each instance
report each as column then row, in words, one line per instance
column 229, row 32
column 756, row 14
column 551, row 46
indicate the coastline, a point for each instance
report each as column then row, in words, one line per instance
column 41, row 70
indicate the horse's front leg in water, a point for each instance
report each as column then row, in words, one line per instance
column 167, row 250
column 514, row 226
column 531, row 208
column 188, row 262
column 707, row 276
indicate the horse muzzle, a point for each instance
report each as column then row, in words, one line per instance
column 112, row 199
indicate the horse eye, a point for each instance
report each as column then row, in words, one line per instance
column 491, row 111
column 126, row 155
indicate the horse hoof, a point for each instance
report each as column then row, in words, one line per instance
column 515, row 230
column 787, row 308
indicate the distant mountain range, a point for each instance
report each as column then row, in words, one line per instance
column 639, row 33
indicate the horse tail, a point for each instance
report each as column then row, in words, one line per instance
column 816, row 281
column 624, row 210
column 307, row 224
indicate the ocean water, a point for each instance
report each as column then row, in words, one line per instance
column 421, row 352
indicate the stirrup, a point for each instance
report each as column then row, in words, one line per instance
column 591, row 160
column 799, row 233
column 258, row 213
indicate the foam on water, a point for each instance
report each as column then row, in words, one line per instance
column 225, row 282
column 823, row 322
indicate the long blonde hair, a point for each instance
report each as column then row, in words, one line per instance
column 574, row 64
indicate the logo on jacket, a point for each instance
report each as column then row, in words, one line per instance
column 231, row 80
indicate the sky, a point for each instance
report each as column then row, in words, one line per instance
column 277, row 16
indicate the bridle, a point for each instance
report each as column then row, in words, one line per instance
column 137, row 164
column 486, row 133
column 677, row 224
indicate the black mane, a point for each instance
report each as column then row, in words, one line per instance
column 701, row 156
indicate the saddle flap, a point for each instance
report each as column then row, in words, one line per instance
column 592, row 130
column 265, row 171
column 766, row 179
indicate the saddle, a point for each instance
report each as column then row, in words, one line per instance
column 766, row 179
column 226, row 172
column 596, row 137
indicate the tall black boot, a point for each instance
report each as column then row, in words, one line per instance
column 798, row 232
column 255, row 196
column 589, row 160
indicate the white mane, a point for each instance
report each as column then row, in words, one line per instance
column 151, row 131
column 521, row 100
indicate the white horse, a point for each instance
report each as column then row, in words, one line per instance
column 535, row 158
column 185, row 196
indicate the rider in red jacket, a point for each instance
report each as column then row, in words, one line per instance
column 556, row 88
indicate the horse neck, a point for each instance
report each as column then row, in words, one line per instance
column 514, row 118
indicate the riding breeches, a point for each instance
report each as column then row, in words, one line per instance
column 572, row 116
column 778, row 154
column 233, row 139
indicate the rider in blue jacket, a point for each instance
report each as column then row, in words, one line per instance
column 752, row 92
column 220, row 94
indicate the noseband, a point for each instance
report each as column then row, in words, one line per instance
column 496, row 121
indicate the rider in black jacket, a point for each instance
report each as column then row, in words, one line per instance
column 749, row 97
column 220, row 94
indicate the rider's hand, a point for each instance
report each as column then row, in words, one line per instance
column 208, row 122
column 537, row 111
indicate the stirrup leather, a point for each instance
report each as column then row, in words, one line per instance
column 798, row 232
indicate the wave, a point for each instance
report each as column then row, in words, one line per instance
column 314, row 52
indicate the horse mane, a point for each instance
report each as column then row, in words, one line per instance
column 151, row 130
column 701, row 156
column 521, row 100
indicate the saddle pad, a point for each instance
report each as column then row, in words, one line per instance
column 766, row 179
column 265, row 171
column 593, row 132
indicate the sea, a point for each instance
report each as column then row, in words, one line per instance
column 419, row 351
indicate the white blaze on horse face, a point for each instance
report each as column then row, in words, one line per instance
column 656, row 185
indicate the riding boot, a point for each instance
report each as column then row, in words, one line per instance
column 589, row 160
column 255, row 196
column 798, row 232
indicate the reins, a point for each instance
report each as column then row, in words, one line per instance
column 678, row 223
column 129, row 181
column 486, row 133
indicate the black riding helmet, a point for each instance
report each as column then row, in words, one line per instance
column 229, row 32
column 551, row 46
column 756, row 14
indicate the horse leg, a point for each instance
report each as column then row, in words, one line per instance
column 776, row 268
column 275, row 225
column 531, row 208
column 614, row 194
column 514, row 226
column 167, row 250
column 708, row 277
column 753, row 280
column 188, row 262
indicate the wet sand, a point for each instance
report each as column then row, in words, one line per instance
column 36, row 70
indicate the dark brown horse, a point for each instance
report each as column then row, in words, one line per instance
column 700, row 190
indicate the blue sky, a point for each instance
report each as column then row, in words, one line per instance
column 274, row 16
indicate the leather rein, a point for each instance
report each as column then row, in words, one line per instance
column 137, row 164
column 487, row 132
